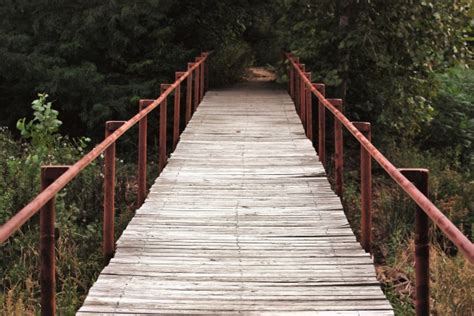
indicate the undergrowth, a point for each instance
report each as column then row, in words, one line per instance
column 393, row 212
column 78, row 214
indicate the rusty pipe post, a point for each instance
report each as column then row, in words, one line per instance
column 206, row 71
column 309, row 110
column 297, row 91
column 200, row 77
column 295, row 82
column 202, row 80
column 197, row 80
column 365, row 187
column 338, row 148
column 162, row 153
column 47, row 242
column 108, row 227
column 142, row 152
column 302, row 97
column 177, row 111
column 321, row 124
column 291, row 81
column 189, row 94
column 419, row 177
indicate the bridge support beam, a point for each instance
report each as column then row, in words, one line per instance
column 47, row 242
column 419, row 177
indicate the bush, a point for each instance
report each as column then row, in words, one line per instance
column 452, row 127
column 78, row 219
column 228, row 64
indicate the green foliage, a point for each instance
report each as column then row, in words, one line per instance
column 78, row 219
column 42, row 128
column 380, row 56
column 95, row 58
column 228, row 64
column 452, row 127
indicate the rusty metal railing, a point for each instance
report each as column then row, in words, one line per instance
column 300, row 89
column 55, row 178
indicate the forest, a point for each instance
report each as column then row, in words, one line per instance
column 66, row 67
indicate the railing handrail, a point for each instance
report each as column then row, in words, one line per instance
column 21, row 217
column 440, row 220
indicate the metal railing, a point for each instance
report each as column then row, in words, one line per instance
column 55, row 178
column 300, row 89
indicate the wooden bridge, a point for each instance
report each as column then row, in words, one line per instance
column 242, row 219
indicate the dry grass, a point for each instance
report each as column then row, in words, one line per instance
column 452, row 280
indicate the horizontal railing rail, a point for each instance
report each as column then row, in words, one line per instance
column 55, row 178
column 300, row 89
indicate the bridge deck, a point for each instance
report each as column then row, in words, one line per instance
column 241, row 221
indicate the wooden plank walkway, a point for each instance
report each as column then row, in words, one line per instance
column 241, row 221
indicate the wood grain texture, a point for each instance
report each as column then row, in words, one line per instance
column 242, row 221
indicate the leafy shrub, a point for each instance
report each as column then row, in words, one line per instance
column 228, row 64
column 78, row 221
column 452, row 127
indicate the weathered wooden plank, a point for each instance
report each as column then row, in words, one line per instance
column 241, row 221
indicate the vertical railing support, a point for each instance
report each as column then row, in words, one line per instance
column 163, row 155
column 206, row 71
column 309, row 109
column 365, row 187
column 321, row 124
column 177, row 111
column 419, row 177
column 108, row 227
column 297, row 90
column 142, row 152
column 197, row 80
column 290, row 75
column 200, row 76
column 338, row 148
column 302, row 97
column 189, row 94
column 47, row 242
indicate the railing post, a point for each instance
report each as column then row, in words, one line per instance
column 189, row 94
column 162, row 155
column 365, row 187
column 321, row 124
column 295, row 82
column 291, row 81
column 108, row 228
column 302, row 97
column 197, row 80
column 338, row 148
column 297, row 90
column 419, row 177
column 201, row 84
column 309, row 110
column 206, row 71
column 177, row 111
column 47, row 242
column 200, row 77
column 142, row 152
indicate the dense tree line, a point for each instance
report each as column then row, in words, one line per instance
column 96, row 58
